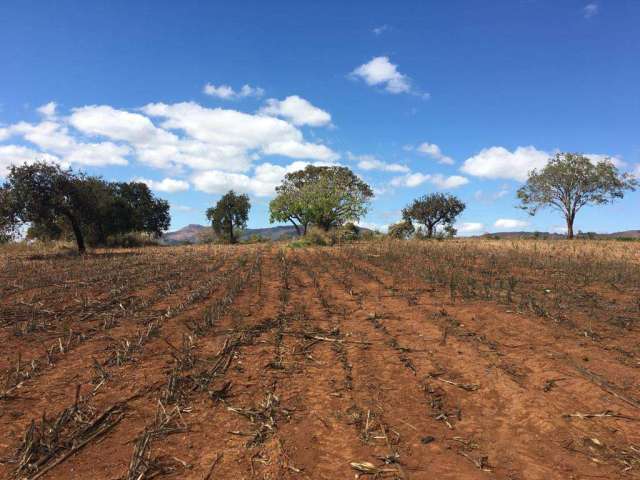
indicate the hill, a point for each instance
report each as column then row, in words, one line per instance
column 192, row 233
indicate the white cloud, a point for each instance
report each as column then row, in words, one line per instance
column 54, row 138
column 233, row 134
column 381, row 29
column 452, row 181
column 298, row 110
column 590, row 10
column 48, row 109
column 498, row 162
column 18, row 155
column 266, row 177
column 510, row 223
column 168, row 185
column 225, row 92
column 174, row 137
column 636, row 171
column 369, row 162
column 294, row 149
column 379, row 71
column 470, row 227
column 417, row 179
column 433, row 151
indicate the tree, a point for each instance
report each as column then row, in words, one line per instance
column 433, row 210
column 569, row 182
column 324, row 196
column 61, row 203
column 231, row 212
column 401, row 230
column 41, row 192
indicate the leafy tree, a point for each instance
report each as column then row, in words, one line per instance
column 7, row 216
column 324, row 196
column 402, row 230
column 230, row 213
column 433, row 210
column 40, row 192
column 59, row 203
column 569, row 182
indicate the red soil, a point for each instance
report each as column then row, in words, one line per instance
column 253, row 363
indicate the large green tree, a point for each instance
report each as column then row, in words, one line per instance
column 570, row 181
column 56, row 202
column 323, row 196
column 230, row 213
column 433, row 210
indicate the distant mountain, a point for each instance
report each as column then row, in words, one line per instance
column 193, row 233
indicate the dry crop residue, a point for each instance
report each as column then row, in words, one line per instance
column 449, row 360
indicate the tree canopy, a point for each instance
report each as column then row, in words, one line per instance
column 569, row 182
column 55, row 201
column 323, row 196
column 401, row 230
column 230, row 213
column 433, row 210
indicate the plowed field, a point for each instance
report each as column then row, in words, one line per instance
column 426, row 360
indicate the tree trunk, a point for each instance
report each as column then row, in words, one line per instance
column 570, row 227
column 296, row 226
column 429, row 231
column 232, row 239
column 304, row 228
column 77, row 232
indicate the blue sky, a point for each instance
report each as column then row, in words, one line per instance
column 416, row 97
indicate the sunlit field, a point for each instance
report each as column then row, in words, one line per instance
column 395, row 359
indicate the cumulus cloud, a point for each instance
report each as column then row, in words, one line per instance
column 297, row 110
column 233, row 134
column 470, row 227
column 168, row 185
column 48, row 109
column 590, row 10
column 433, row 151
column 225, row 92
column 379, row 71
column 176, row 137
column 510, row 223
column 440, row 181
column 54, row 138
column 266, row 177
column 498, row 162
column 370, row 162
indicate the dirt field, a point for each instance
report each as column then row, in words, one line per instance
column 427, row 360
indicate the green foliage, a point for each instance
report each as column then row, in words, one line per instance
column 433, row 210
column 60, row 203
column 569, row 182
column 230, row 214
column 326, row 197
column 401, row 230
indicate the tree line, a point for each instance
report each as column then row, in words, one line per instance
column 55, row 201
column 58, row 203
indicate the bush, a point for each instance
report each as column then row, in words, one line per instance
column 130, row 240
